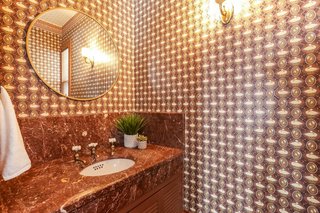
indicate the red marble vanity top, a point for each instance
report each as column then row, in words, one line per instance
column 49, row 186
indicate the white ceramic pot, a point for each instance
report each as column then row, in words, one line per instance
column 130, row 141
column 142, row 144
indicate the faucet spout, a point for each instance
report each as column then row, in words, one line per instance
column 76, row 156
column 93, row 154
column 79, row 161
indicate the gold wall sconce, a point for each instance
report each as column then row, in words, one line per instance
column 88, row 56
column 226, row 10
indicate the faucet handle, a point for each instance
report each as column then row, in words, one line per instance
column 76, row 148
column 112, row 140
column 92, row 145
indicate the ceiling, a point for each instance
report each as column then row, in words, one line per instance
column 58, row 17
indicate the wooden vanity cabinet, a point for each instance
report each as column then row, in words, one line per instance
column 166, row 198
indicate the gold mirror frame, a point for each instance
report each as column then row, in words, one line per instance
column 38, row 73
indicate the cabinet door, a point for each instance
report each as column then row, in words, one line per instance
column 171, row 197
column 166, row 200
column 151, row 205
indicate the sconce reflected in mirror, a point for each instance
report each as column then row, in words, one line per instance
column 226, row 10
column 91, row 56
column 88, row 56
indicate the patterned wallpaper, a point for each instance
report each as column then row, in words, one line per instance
column 84, row 32
column 31, row 97
column 250, row 91
column 45, row 53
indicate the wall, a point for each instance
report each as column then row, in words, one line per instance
column 250, row 91
column 47, row 55
column 30, row 96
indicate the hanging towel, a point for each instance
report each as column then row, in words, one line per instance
column 14, row 159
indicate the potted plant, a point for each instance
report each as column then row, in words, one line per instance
column 130, row 125
column 142, row 141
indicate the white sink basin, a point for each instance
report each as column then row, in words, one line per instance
column 107, row 167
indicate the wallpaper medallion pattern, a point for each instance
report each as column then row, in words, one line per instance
column 250, row 91
column 47, row 61
column 31, row 97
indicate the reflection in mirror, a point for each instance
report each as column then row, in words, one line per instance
column 72, row 53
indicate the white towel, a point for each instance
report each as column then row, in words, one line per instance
column 14, row 159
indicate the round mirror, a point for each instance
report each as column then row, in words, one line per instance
column 72, row 54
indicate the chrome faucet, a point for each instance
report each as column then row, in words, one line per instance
column 112, row 141
column 92, row 147
column 76, row 156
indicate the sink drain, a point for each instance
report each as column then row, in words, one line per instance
column 97, row 167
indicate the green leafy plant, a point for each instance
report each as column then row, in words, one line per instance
column 130, row 124
column 142, row 138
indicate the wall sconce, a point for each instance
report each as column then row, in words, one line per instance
column 226, row 10
column 88, row 56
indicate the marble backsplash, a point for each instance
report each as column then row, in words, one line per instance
column 50, row 138
column 165, row 129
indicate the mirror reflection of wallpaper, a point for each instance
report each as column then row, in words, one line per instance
column 47, row 54
column 33, row 98
column 82, row 31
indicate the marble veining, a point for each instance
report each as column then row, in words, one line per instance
column 54, row 182
column 51, row 186
column 51, row 138
column 166, row 129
